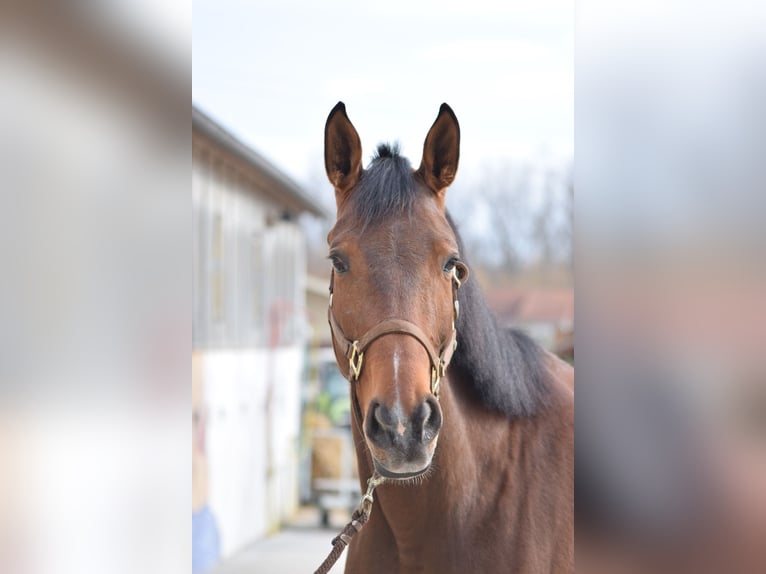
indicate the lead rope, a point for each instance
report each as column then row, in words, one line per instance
column 358, row 519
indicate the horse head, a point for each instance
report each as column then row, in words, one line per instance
column 396, row 271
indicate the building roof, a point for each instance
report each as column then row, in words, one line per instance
column 517, row 306
column 289, row 191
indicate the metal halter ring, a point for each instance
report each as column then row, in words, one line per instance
column 355, row 360
column 455, row 278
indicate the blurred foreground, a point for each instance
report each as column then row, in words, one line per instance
column 94, row 294
column 671, row 274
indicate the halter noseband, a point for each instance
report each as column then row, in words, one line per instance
column 354, row 350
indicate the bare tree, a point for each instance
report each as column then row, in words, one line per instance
column 519, row 214
column 543, row 220
column 567, row 229
column 506, row 191
column 554, row 218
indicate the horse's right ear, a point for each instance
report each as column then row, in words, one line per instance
column 441, row 152
column 342, row 152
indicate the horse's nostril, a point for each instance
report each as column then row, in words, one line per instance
column 377, row 414
column 374, row 419
column 428, row 419
column 377, row 425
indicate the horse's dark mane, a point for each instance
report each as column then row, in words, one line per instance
column 387, row 186
column 504, row 369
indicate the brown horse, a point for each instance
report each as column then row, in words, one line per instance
column 471, row 425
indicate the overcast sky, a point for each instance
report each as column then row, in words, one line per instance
column 271, row 70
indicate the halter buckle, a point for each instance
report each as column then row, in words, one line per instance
column 435, row 380
column 355, row 360
column 436, row 376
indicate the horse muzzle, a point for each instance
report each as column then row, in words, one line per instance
column 402, row 446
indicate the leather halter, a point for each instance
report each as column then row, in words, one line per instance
column 354, row 350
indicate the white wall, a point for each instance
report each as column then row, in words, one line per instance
column 252, row 455
column 249, row 296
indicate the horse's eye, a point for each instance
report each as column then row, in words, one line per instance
column 338, row 263
column 449, row 265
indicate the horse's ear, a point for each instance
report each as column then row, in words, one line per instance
column 342, row 152
column 441, row 152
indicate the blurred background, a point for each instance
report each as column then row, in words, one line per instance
column 670, row 243
column 272, row 441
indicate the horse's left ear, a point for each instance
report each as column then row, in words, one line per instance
column 342, row 152
column 441, row 152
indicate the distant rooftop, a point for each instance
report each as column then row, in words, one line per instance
column 295, row 194
column 521, row 306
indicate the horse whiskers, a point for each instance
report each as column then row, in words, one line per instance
column 413, row 480
column 417, row 480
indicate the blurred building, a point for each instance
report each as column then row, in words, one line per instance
column 547, row 315
column 317, row 301
column 249, row 336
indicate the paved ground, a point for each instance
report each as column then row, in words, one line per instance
column 297, row 549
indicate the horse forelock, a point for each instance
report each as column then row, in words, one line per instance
column 386, row 188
